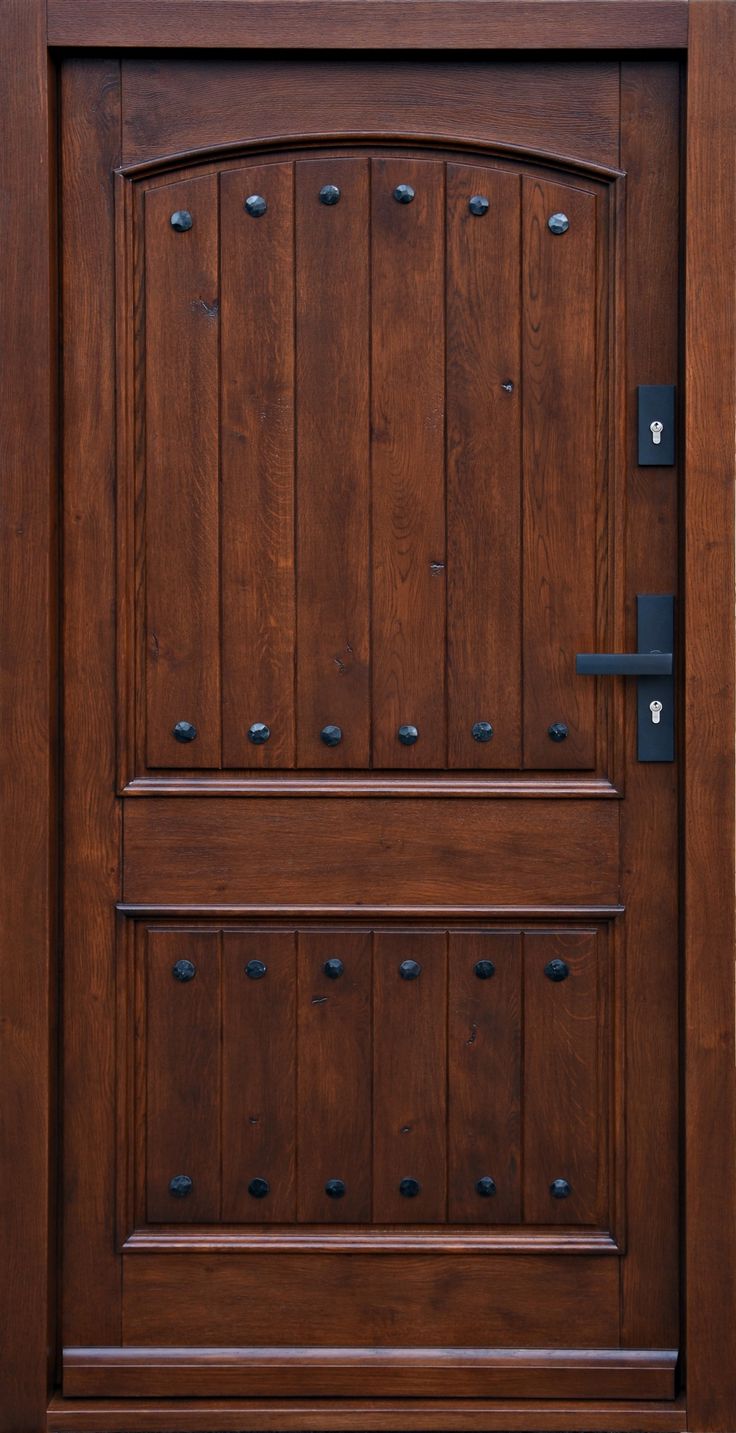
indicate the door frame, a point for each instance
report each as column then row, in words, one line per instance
column 35, row 33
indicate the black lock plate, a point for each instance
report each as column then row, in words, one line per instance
column 655, row 633
column 656, row 405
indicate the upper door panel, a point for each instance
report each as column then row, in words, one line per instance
column 374, row 515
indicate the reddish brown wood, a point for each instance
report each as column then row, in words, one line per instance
column 483, row 468
column 333, row 426
column 484, row 1077
column 516, row 24
column 566, row 1078
column 257, row 436
column 409, row 1077
column 182, row 670
column 183, row 1076
column 334, row 1076
column 258, row 1076
column 710, row 699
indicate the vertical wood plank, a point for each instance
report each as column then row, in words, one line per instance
column 410, row 1077
column 560, row 465
column 484, row 1076
column 483, row 468
column 257, row 378
column 408, row 404
column 333, row 465
column 258, row 1076
column 181, row 482
column 565, row 1105
column 183, row 1037
column 334, row 1091
column 90, row 105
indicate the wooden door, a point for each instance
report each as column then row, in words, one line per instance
column 371, row 936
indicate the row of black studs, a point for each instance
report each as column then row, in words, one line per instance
column 182, row 1184
column 329, row 194
column 555, row 970
column 331, row 735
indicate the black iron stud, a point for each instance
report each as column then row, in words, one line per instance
column 484, row 969
column 255, row 205
column 184, row 731
column 331, row 735
column 403, row 193
column 481, row 731
column 410, row 1188
column 560, row 1189
column 479, row 204
column 557, row 731
column 180, row 1186
column 410, row 970
column 556, row 970
column 333, row 968
column 558, row 223
column 183, row 971
column 486, row 1186
column 329, row 194
column 335, row 1188
column 259, row 1188
column 255, row 969
column 181, row 220
column 408, row 735
column 258, row 733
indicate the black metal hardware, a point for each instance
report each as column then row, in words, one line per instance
column 335, row 1188
column 181, row 220
column 255, row 969
column 333, row 968
column 410, row 970
column 258, row 733
column 558, row 223
column 408, row 735
column 184, row 731
column 329, row 194
column 403, row 193
column 183, row 971
column 481, row 731
column 653, row 664
column 410, row 1188
column 556, row 970
column 557, row 731
column 180, row 1186
column 486, row 1186
column 479, row 204
column 255, row 205
column 331, row 735
column 656, row 425
column 560, row 1189
column 484, row 969
column 259, row 1188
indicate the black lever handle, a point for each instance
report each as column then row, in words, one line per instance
column 624, row 664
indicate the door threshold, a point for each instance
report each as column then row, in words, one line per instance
column 343, row 1415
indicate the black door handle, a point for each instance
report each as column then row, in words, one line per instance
column 623, row 664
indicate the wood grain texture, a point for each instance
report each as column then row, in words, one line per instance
column 322, row 852
column 483, row 468
column 710, row 372
column 408, row 466
column 410, row 1077
column 257, row 465
column 396, row 24
column 335, row 1060
column 28, row 773
column 258, row 1076
column 90, row 104
column 560, row 464
column 571, row 108
column 333, row 462
column 181, row 477
column 484, row 1077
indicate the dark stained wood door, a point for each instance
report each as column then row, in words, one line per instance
column 377, row 952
